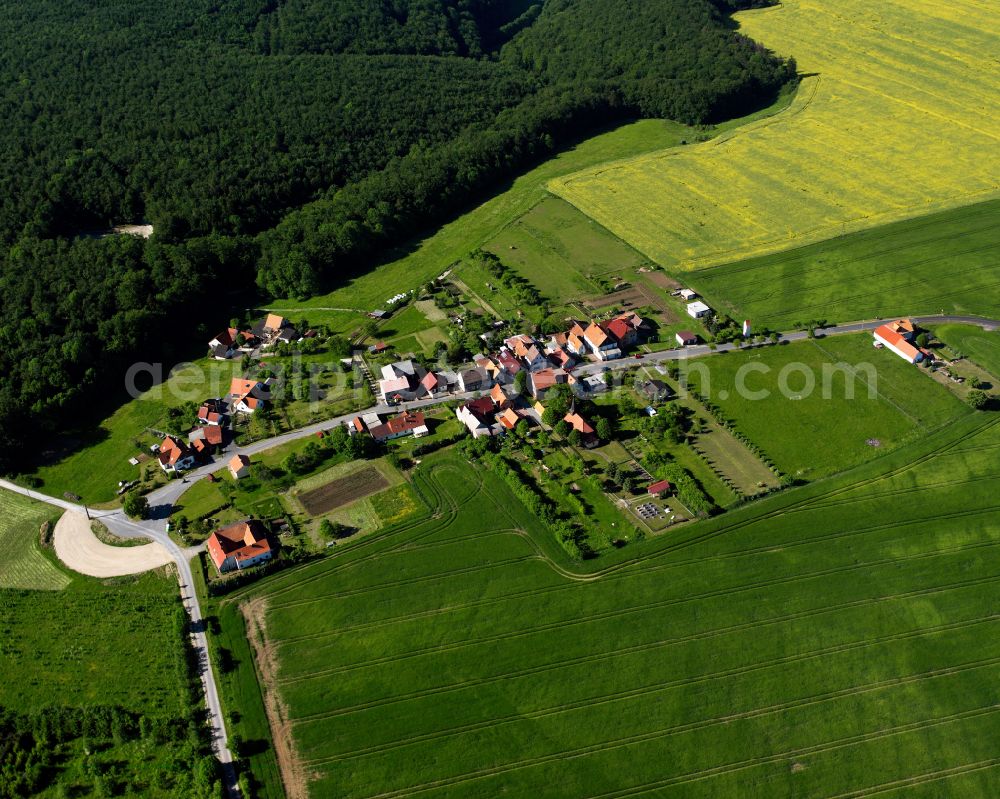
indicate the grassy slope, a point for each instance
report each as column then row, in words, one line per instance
column 898, row 119
column 23, row 564
column 431, row 256
column 942, row 262
column 973, row 342
column 816, row 435
column 828, row 640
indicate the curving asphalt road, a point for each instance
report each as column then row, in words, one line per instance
column 162, row 499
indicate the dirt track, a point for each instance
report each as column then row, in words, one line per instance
column 79, row 549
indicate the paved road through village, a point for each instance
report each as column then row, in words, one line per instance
column 162, row 499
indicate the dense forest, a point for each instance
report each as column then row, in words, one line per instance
column 280, row 146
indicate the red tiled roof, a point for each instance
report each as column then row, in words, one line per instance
column 577, row 422
column 659, row 487
column 595, row 335
column 237, row 462
column 618, row 328
column 213, row 435
column 430, row 381
column 890, row 336
column 242, row 541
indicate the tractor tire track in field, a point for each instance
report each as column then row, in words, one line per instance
column 672, row 641
column 532, row 593
column 444, row 518
column 754, row 713
column 819, row 749
column 716, row 771
column 679, row 682
column 921, row 779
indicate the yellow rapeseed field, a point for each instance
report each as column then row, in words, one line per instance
column 899, row 116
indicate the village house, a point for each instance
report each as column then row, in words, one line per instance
column 473, row 380
column 896, row 336
column 224, row 345
column 685, row 338
column 205, row 440
column 175, row 455
column 430, row 385
column 239, row 466
column 246, row 395
column 396, row 390
column 273, row 329
column 500, row 397
column 405, row 424
column 212, row 412
column 687, row 295
column 603, row 346
column 543, row 380
column 655, row 390
column 478, row 417
column 509, row 366
column 509, row 418
column 534, row 359
column 625, row 334
column 239, row 546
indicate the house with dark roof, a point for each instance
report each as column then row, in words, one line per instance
column 655, row 390
column 239, row 546
column 473, row 380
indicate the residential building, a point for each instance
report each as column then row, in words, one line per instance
column 544, row 379
column 398, row 389
column 429, row 384
column 239, row 546
column 509, row 418
column 246, row 395
column 534, row 359
column 224, row 345
column 655, row 390
column 624, row 333
column 212, row 412
column 685, row 338
column 405, row 424
column 601, row 344
column 478, row 417
column 175, row 456
column 239, row 466
column 473, row 380
column 698, row 309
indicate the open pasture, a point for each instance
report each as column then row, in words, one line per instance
column 561, row 251
column 834, row 640
column 897, row 119
column 23, row 565
column 944, row 262
column 812, row 432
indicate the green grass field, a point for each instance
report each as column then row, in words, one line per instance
column 833, row 640
column 942, row 262
column 23, row 565
column 432, row 255
column 559, row 250
column 975, row 343
column 808, row 434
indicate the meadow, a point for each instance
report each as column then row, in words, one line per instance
column 428, row 257
column 940, row 263
column 810, row 434
column 973, row 342
column 896, row 118
column 832, row 640
column 23, row 564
